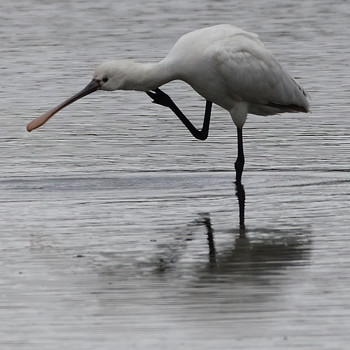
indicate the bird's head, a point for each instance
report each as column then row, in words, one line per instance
column 113, row 75
column 109, row 76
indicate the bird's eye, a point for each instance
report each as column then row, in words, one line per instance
column 105, row 79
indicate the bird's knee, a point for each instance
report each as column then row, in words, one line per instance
column 239, row 164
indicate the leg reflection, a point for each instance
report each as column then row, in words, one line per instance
column 240, row 193
column 211, row 243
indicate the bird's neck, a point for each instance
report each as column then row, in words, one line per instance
column 148, row 76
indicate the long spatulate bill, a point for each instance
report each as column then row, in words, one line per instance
column 37, row 122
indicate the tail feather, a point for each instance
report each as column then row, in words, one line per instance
column 289, row 108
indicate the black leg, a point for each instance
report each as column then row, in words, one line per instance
column 240, row 193
column 163, row 99
column 239, row 164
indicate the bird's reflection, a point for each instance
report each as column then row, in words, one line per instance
column 211, row 242
column 251, row 252
column 269, row 250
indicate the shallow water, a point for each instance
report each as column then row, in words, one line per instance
column 119, row 231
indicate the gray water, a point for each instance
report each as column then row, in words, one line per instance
column 106, row 211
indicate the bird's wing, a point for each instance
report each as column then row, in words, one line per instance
column 252, row 74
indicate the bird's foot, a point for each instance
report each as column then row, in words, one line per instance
column 159, row 97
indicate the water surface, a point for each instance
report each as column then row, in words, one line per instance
column 118, row 231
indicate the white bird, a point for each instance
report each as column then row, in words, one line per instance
column 224, row 64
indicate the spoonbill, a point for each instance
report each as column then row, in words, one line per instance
column 224, row 64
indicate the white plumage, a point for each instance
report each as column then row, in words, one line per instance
column 232, row 68
column 225, row 64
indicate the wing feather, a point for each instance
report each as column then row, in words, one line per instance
column 252, row 74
